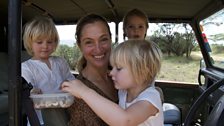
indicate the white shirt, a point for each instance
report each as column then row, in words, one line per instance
column 151, row 95
column 48, row 80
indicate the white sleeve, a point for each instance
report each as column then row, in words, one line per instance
column 66, row 72
column 122, row 98
column 151, row 95
column 27, row 74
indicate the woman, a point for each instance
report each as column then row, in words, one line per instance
column 139, row 101
column 94, row 40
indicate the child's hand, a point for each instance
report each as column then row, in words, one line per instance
column 36, row 91
column 75, row 87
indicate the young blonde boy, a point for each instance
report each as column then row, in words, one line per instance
column 43, row 71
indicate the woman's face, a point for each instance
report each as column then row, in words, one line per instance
column 95, row 44
column 136, row 28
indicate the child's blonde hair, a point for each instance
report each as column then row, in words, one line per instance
column 38, row 28
column 143, row 59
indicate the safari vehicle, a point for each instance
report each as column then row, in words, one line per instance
column 199, row 103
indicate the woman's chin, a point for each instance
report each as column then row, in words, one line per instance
column 101, row 63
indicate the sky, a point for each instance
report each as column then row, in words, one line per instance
column 67, row 32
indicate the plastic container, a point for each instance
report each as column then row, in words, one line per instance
column 57, row 100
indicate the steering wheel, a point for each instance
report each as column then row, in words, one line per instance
column 200, row 100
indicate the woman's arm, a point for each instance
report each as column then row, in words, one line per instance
column 109, row 111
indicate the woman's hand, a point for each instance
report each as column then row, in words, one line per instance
column 75, row 87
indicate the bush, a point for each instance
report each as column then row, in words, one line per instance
column 217, row 48
column 70, row 54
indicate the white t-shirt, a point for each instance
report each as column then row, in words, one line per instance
column 151, row 95
column 48, row 80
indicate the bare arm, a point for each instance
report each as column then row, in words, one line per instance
column 109, row 111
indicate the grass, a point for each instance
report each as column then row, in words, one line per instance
column 180, row 68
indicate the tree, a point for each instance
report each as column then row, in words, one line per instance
column 178, row 45
column 70, row 54
column 190, row 40
column 177, row 39
column 217, row 37
column 168, row 36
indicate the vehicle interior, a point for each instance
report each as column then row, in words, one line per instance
column 201, row 103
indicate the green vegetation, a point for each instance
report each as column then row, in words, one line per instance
column 181, row 59
column 174, row 68
column 173, row 42
column 71, row 54
column 179, row 68
column 217, row 49
column 217, row 55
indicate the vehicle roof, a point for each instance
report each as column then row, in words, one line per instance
column 69, row 11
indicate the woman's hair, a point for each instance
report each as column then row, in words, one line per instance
column 142, row 58
column 134, row 12
column 38, row 28
column 88, row 19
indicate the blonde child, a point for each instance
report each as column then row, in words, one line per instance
column 43, row 71
column 135, row 65
column 135, row 24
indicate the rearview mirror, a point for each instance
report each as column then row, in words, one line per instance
column 202, row 63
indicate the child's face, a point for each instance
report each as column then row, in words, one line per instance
column 122, row 77
column 136, row 28
column 43, row 48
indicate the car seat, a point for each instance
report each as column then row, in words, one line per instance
column 171, row 113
